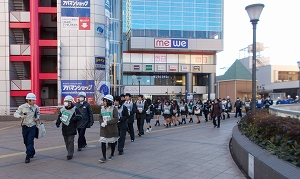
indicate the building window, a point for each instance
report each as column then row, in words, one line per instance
column 288, row 76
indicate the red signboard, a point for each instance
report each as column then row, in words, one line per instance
column 84, row 23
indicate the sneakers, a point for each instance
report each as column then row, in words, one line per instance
column 102, row 160
column 147, row 130
column 132, row 140
column 111, row 157
column 27, row 160
column 198, row 122
column 150, row 129
column 69, row 157
column 121, row 153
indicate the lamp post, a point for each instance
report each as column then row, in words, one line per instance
column 139, row 80
column 254, row 12
column 298, row 62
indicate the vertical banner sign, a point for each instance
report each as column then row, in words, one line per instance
column 73, row 87
column 75, row 14
column 107, row 32
column 99, row 63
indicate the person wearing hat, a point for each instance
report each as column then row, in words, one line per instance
column 122, row 99
column 29, row 113
column 131, row 106
column 69, row 116
column 141, row 108
column 87, row 119
column 123, row 115
column 108, row 120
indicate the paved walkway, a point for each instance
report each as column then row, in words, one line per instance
column 187, row 151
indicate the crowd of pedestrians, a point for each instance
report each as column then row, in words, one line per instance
column 117, row 116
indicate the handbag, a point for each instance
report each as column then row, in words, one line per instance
column 40, row 130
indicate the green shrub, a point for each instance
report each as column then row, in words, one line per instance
column 279, row 135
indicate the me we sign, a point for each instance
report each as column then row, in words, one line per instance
column 170, row 43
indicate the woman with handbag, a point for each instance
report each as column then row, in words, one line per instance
column 69, row 116
column 198, row 110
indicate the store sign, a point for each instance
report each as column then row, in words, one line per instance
column 148, row 67
column 160, row 58
column 184, row 68
column 170, row 43
column 201, row 60
column 161, row 68
column 196, row 68
column 172, row 68
column 136, row 67
column 100, row 63
column 73, row 87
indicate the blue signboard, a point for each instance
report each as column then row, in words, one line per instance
column 100, row 63
column 75, row 8
column 104, row 89
column 73, row 87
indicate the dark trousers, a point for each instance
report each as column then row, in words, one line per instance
column 28, row 138
column 214, row 121
column 122, row 133
column 81, row 137
column 140, row 124
column 238, row 111
column 69, row 141
column 131, row 130
column 247, row 110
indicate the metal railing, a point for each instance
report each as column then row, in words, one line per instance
column 286, row 110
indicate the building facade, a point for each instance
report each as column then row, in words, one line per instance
column 171, row 47
column 55, row 48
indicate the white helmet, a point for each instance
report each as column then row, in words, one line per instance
column 82, row 94
column 109, row 97
column 31, row 96
column 228, row 97
column 69, row 98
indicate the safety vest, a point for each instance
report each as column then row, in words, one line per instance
column 120, row 111
column 167, row 109
column 129, row 106
column 107, row 113
column 140, row 105
column 66, row 115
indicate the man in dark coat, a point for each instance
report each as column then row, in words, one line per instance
column 141, row 108
column 69, row 115
column 122, row 123
column 131, row 110
column 238, row 107
column 87, row 119
column 216, row 112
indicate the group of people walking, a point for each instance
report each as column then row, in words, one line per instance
column 116, row 118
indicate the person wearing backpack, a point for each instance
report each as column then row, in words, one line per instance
column 238, row 107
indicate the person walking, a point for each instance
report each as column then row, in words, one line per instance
column 141, row 108
column 247, row 105
column 183, row 111
column 238, row 107
column 228, row 107
column 108, row 120
column 29, row 113
column 167, row 113
column 223, row 107
column 198, row 110
column 158, row 109
column 123, row 115
column 191, row 111
column 268, row 102
column 206, row 109
column 175, row 113
column 69, row 115
column 216, row 113
column 87, row 119
column 149, row 114
column 131, row 111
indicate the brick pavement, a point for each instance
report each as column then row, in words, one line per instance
column 187, row 151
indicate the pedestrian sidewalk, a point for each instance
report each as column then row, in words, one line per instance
column 186, row 151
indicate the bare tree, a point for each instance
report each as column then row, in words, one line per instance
column 98, row 76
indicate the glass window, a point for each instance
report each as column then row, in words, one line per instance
column 163, row 33
column 148, row 58
column 172, row 58
column 125, row 80
column 188, row 34
column 151, row 33
column 137, row 33
column 201, row 35
column 184, row 59
column 176, row 33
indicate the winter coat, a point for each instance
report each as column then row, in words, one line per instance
column 216, row 110
column 111, row 129
column 71, row 129
column 123, row 115
column 87, row 115
column 206, row 108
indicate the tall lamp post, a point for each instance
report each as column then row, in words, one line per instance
column 298, row 91
column 139, row 80
column 254, row 12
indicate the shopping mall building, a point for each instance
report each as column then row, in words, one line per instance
column 170, row 47
column 55, row 48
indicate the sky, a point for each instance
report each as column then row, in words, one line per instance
column 278, row 28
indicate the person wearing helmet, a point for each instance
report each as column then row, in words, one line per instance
column 131, row 106
column 29, row 113
column 69, row 116
column 123, row 115
column 141, row 108
column 108, row 120
column 87, row 119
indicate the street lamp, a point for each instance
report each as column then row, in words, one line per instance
column 139, row 80
column 254, row 12
column 298, row 62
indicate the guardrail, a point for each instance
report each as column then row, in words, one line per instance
column 286, row 110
